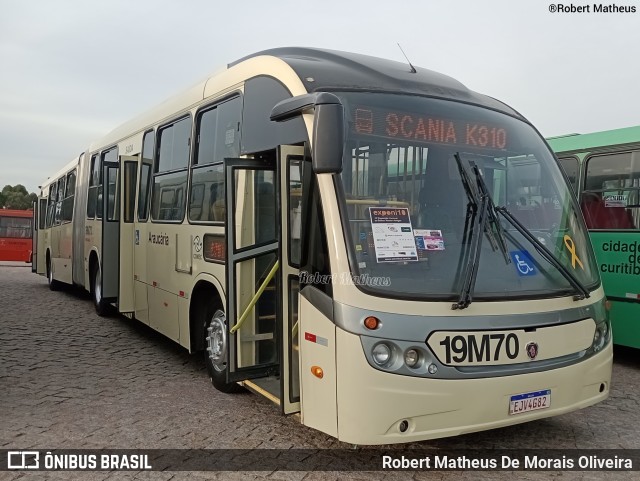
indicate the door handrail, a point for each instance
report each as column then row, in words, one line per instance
column 255, row 298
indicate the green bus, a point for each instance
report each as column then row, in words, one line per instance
column 604, row 169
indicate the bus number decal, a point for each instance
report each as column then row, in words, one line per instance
column 477, row 349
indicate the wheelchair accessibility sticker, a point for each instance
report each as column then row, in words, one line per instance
column 523, row 262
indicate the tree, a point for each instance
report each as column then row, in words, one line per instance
column 16, row 197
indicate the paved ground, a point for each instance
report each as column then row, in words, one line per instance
column 69, row 379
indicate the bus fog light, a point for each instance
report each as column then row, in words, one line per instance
column 411, row 357
column 404, row 425
column 433, row 369
column 381, row 353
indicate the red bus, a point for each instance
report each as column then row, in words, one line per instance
column 16, row 242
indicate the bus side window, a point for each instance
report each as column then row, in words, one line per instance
column 170, row 177
column 217, row 138
column 51, row 204
column 197, row 202
column 148, row 144
column 42, row 214
column 611, row 195
column 67, row 203
column 217, row 210
column 59, row 199
column 94, row 180
column 315, row 252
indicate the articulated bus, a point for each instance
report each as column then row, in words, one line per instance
column 604, row 169
column 16, row 235
column 352, row 238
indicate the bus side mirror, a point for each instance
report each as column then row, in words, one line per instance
column 328, row 127
column 328, row 139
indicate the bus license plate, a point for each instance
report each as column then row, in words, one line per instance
column 530, row 401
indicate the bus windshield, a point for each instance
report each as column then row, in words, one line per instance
column 409, row 208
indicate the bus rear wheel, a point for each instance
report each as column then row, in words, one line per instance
column 102, row 307
column 215, row 350
column 53, row 284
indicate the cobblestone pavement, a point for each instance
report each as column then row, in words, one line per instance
column 70, row 379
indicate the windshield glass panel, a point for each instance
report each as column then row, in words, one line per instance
column 410, row 219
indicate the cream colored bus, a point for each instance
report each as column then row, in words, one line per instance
column 375, row 246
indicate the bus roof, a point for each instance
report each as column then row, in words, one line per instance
column 68, row 167
column 15, row 213
column 322, row 70
column 585, row 142
column 328, row 70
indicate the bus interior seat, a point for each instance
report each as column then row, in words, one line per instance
column 598, row 216
column 217, row 205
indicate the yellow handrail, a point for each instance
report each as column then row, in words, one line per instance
column 256, row 296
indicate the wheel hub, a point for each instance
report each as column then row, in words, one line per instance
column 217, row 341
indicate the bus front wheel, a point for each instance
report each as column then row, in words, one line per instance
column 102, row 307
column 215, row 350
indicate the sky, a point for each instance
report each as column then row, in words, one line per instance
column 71, row 71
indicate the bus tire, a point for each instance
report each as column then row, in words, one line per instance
column 102, row 307
column 53, row 284
column 215, row 349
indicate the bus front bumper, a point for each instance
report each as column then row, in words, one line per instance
column 373, row 404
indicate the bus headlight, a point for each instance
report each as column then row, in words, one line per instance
column 381, row 353
column 605, row 330
column 411, row 357
column 408, row 358
column 601, row 335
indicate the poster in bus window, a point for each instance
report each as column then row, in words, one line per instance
column 392, row 234
column 615, row 199
column 429, row 239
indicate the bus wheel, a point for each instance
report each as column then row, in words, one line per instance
column 102, row 308
column 53, row 284
column 215, row 352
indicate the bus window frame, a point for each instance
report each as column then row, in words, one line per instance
column 101, row 184
column 583, row 190
column 580, row 175
column 60, row 191
column 20, row 228
column 144, row 161
column 73, row 172
column 53, row 187
column 193, row 165
column 93, row 183
column 156, row 164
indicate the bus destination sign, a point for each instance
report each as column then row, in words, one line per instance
column 411, row 126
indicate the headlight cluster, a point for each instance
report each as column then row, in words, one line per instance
column 401, row 357
column 601, row 336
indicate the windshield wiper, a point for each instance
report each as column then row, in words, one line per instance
column 488, row 223
column 472, row 254
column 494, row 222
column 485, row 211
column 545, row 253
